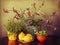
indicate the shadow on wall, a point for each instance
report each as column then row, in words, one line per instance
column 57, row 32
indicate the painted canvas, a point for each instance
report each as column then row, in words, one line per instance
column 26, row 20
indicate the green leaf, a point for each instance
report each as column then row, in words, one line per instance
column 42, row 32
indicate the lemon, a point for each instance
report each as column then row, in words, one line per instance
column 28, row 38
column 21, row 35
column 29, row 35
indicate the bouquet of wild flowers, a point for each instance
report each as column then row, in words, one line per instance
column 29, row 21
column 13, row 26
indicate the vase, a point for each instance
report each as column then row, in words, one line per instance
column 41, row 38
column 12, row 42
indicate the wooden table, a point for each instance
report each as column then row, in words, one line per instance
column 51, row 40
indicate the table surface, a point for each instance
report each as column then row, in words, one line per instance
column 51, row 40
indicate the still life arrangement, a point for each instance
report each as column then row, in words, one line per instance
column 28, row 25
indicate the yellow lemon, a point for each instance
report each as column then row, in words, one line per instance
column 27, row 38
column 21, row 35
column 29, row 35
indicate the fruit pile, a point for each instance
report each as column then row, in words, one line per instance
column 25, row 37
